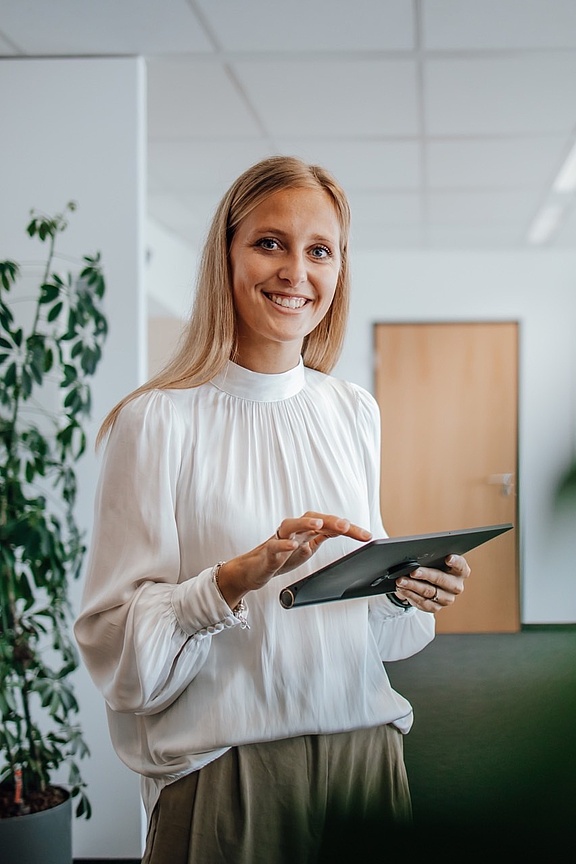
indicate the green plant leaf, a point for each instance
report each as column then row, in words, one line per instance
column 36, row 370
column 9, row 272
column 49, row 293
column 25, row 384
column 6, row 317
column 48, row 359
column 10, row 375
column 55, row 311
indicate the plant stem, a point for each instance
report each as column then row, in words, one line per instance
column 46, row 275
column 18, row 388
column 25, row 692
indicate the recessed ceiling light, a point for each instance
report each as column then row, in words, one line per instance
column 566, row 179
column 545, row 224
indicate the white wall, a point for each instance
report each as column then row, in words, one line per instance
column 170, row 272
column 538, row 289
column 75, row 129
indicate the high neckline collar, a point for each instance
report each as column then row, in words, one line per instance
column 259, row 387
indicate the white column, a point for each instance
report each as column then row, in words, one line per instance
column 74, row 129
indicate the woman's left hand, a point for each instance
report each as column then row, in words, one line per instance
column 431, row 590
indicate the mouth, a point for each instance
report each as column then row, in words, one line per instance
column 287, row 302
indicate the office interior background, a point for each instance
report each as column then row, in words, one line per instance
column 450, row 123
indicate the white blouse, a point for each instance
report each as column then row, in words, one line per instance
column 192, row 477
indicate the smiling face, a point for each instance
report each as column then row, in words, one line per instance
column 285, row 258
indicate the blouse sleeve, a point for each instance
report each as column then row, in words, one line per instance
column 144, row 629
column 399, row 633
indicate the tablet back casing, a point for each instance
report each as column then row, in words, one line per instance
column 373, row 568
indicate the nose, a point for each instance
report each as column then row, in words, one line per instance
column 293, row 270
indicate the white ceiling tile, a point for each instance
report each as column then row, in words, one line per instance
column 192, row 98
column 373, row 236
column 104, row 27
column 7, row 48
column 320, row 98
column 360, row 164
column 309, row 25
column 495, row 162
column 475, row 208
column 514, row 95
column 203, row 165
column 385, row 209
column 498, row 24
column 473, row 237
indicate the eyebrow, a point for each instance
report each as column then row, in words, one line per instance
column 316, row 238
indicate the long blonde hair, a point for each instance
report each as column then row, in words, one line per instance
column 209, row 339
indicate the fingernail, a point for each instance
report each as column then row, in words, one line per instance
column 450, row 560
column 401, row 582
column 366, row 533
column 317, row 523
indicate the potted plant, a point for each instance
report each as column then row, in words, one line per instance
column 51, row 337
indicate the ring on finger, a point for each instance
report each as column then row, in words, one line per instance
column 434, row 599
column 277, row 534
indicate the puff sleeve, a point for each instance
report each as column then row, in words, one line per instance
column 145, row 628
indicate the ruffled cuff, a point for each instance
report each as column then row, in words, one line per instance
column 199, row 607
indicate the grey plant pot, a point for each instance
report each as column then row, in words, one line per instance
column 39, row 838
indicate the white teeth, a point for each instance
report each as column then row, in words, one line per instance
column 288, row 302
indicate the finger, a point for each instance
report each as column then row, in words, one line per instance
column 425, row 595
column 328, row 525
column 458, row 565
column 453, row 583
column 288, row 528
column 334, row 526
column 430, row 589
column 282, row 547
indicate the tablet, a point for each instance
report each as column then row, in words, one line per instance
column 374, row 567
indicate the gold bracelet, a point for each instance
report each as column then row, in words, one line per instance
column 240, row 611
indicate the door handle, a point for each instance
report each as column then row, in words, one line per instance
column 505, row 481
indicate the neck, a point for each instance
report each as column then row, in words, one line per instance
column 269, row 360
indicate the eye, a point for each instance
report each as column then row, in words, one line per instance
column 267, row 243
column 320, row 252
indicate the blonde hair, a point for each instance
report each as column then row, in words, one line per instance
column 209, row 339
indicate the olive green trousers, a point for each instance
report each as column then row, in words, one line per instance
column 283, row 802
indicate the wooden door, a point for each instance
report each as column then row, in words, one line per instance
column 448, row 399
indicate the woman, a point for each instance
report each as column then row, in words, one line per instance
column 250, row 725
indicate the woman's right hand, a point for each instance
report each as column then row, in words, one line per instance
column 295, row 541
